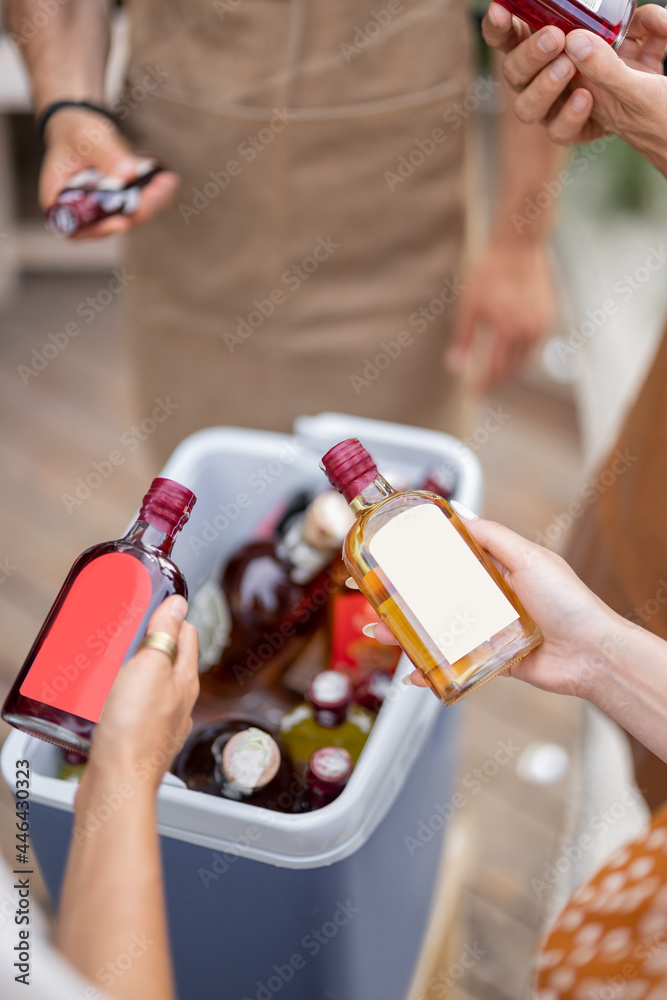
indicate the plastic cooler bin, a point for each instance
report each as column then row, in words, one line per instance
column 331, row 904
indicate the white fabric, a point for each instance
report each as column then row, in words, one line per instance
column 51, row 977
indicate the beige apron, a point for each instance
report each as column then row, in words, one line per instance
column 318, row 213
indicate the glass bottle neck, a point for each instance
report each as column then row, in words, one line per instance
column 372, row 494
column 146, row 534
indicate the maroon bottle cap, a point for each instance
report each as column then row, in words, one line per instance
column 331, row 690
column 167, row 505
column 349, row 468
column 329, row 768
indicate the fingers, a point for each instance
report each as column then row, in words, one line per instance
column 155, row 196
column 511, row 550
column 169, row 618
column 567, row 126
column 645, row 40
column 501, row 30
column 535, row 54
column 186, row 668
column 381, row 632
column 599, row 64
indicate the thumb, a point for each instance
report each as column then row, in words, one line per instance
column 599, row 64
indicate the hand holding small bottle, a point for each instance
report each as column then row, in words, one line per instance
column 68, row 133
column 147, row 714
column 575, row 624
column 579, row 88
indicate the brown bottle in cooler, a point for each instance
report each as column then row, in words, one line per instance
column 277, row 591
column 237, row 760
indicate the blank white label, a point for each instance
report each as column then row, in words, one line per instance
column 441, row 581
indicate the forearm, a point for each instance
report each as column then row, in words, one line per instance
column 528, row 162
column 628, row 681
column 112, row 901
column 66, row 56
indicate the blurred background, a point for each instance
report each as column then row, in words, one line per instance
column 561, row 415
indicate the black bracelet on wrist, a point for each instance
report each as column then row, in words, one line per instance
column 51, row 109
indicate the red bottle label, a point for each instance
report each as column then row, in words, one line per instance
column 78, row 661
column 351, row 651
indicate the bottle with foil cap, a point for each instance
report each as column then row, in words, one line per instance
column 328, row 717
column 91, row 196
column 413, row 558
column 237, row 760
column 276, row 592
column 97, row 622
column 327, row 774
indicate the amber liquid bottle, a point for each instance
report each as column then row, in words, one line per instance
column 427, row 578
column 97, row 622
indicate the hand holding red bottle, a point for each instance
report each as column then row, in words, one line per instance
column 147, row 715
column 68, row 135
column 579, row 88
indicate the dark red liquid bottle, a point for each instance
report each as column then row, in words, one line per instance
column 97, row 622
column 607, row 18
column 91, row 196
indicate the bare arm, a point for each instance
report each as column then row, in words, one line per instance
column 112, row 902
column 66, row 56
column 509, row 302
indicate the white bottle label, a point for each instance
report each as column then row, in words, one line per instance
column 441, row 581
column 593, row 5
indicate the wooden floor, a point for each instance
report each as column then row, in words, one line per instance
column 75, row 410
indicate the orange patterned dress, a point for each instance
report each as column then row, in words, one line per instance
column 610, row 941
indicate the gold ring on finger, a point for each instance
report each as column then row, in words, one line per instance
column 162, row 641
